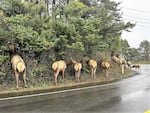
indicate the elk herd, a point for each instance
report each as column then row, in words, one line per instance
column 60, row 66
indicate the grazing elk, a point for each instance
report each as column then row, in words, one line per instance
column 77, row 68
column 137, row 67
column 119, row 60
column 59, row 66
column 18, row 65
column 93, row 66
column 105, row 66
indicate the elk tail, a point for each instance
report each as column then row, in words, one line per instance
column 54, row 66
column 20, row 67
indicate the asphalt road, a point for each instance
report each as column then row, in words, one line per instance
column 131, row 95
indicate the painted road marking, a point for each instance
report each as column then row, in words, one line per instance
column 148, row 111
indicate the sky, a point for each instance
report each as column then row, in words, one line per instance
column 136, row 11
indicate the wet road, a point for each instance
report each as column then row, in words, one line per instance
column 131, row 95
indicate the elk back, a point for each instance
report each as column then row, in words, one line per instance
column 105, row 65
column 20, row 67
column 93, row 63
column 61, row 65
column 77, row 66
column 17, row 60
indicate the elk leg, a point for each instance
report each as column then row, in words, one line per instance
column 55, row 77
column 122, row 68
column 108, row 75
column 94, row 73
column 79, row 75
column 17, row 80
column 63, row 74
column 140, row 68
column 24, row 79
column 55, row 82
column 76, row 76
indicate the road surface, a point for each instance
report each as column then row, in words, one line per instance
column 131, row 95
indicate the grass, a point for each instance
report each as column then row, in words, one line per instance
column 143, row 62
column 69, row 82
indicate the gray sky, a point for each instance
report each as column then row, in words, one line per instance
column 136, row 11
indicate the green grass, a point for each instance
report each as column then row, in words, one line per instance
column 47, row 85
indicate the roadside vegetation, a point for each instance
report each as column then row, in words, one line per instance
column 82, row 29
column 47, row 84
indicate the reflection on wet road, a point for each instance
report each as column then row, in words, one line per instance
column 131, row 95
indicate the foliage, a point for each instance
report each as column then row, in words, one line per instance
column 12, row 7
column 3, row 59
column 134, row 55
column 74, row 8
column 86, row 27
column 145, row 49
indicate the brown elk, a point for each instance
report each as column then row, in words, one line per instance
column 93, row 66
column 105, row 66
column 137, row 66
column 115, row 58
column 18, row 65
column 59, row 66
column 77, row 68
column 119, row 60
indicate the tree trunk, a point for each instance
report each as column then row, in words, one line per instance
column 49, row 6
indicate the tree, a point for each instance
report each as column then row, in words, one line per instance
column 125, row 48
column 49, row 7
column 87, row 27
column 145, row 49
column 133, row 54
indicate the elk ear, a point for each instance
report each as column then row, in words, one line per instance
column 9, row 43
column 87, row 61
column 72, row 60
column 81, row 61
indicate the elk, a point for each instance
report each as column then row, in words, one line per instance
column 77, row 68
column 59, row 66
column 18, row 65
column 115, row 58
column 137, row 66
column 93, row 66
column 105, row 66
column 120, row 61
